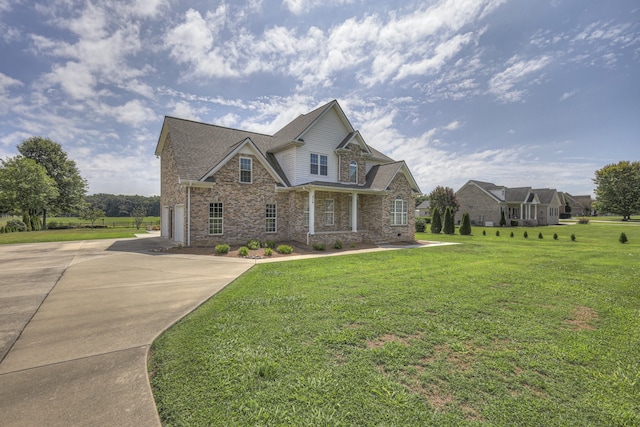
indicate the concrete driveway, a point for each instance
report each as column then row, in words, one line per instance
column 77, row 320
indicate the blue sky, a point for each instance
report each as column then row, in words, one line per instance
column 522, row 93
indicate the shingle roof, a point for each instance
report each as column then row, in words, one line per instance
column 517, row 194
column 380, row 176
column 545, row 195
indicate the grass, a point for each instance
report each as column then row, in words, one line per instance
column 497, row 331
column 68, row 235
column 115, row 221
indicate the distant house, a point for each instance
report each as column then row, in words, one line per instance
column 316, row 180
column 580, row 205
column 423, row 209
column 485, row 202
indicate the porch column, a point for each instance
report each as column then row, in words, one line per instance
column 535, row 211
column 312, row 211
column 521, row 211
column 354, row 212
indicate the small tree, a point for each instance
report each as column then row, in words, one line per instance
column 91, row 215
column 449, row 224
column 503, row 220
column 436, row 221
column 465, row 227
column 623, row 238
column 138, row 213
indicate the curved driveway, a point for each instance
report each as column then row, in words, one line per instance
column 77, row 320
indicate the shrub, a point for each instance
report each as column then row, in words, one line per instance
column 426, row 219
column 319, row 247
column 514, row 223
column 573, row 237
column 555, row 236
column 222, row 249
column 337, row 244
column 436, row 221
column 284, row 249
column 269, row 244
column 583, row 220
column 511, row 234
column 253, row 244
column 497, row 233
column 268, row 251
column 503, row 220
column 540, row 235
column 465, row 228
column 623, row 238
column 525, row 235
column 16, row 225
column 421, row 226
column 449, row 222
column 484, row 232
column 243, row 251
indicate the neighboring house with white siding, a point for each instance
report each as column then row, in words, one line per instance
column 314, row 181
column 485, row 202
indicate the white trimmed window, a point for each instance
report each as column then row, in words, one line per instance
column 353, row 171
column 246, row 171
column 328, row 212
column 271, row 218
column 399, row 209
column 305, row 212
column 318, row 164
column 215, row 218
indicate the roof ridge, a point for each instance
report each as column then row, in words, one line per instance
column 217, row 126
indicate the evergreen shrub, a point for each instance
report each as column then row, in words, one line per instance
column 465, row 228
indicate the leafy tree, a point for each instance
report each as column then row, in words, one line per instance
column 92, row 215
column 441, row 197
column 138, row 213
column 25, row 187
column 71, row 187
column 436, row 221
column 122, row 205
column 449, row 224
column 465, row 227
column 618, row 189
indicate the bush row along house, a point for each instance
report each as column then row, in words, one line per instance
column 315, row 181
column 485, row 202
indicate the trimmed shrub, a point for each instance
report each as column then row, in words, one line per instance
column 436, row 221
column 253, row 244
column 269, row 244
column 449, row 221
column 555, row 236
column 503, row 220
column 243, row 251
column 465, row 228
column 623, row 238
column 525, row 235
column 497, row 233
column 514, row 223
column 421, row 226
column 337, row 245
column 319, row 246
column 573, row 237
column 284, row 249
column 583, row 220
column 16, row 225
column 484, row 232
column 540, row 235
column 222, row 249
column 268, row 251
column 511, row 234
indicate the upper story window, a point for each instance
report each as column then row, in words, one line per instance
column 246, row 171
column 353, row 171
column 318, row 165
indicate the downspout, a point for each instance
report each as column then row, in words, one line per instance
column 189, row 215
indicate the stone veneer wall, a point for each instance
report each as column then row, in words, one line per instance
column 398, row 233
column 354, row 153
column 475, row 201
column 244, row 207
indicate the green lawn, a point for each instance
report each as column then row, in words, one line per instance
column 497, row 331
column 68, row 235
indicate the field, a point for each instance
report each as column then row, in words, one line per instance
column 501, row 331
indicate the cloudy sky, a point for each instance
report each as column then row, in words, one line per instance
column 518, row 92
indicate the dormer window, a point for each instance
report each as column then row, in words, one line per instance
column 246, row 170
column 318, row 165
column 353, row 171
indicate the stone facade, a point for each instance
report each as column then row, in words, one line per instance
column 480, row 205
column 352, row 152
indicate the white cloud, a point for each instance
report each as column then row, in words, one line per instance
column 76, row 79
column 184, row 110
column 298, row 7
column 503, row 84
column 133, row 113
column 568, row 95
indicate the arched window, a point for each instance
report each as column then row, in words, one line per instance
column 353, row 171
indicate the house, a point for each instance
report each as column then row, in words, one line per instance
column 485, row 202
column 580, row 205
column 316, row 180
column 424, row 209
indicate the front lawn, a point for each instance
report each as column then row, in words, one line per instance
column 68, row 235
column 502, row 331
